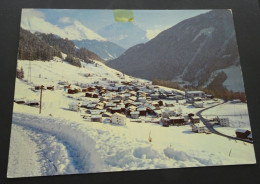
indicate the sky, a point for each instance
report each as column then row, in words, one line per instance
column 151, row 21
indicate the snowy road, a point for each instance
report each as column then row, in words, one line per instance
column 35, row 153
column 211, row 126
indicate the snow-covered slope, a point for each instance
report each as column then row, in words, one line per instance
column 34, row 21
column 76, row 145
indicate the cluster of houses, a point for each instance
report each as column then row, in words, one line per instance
column 141, row 102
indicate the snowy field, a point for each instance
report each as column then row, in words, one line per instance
column 237, row 114
column 59, row 141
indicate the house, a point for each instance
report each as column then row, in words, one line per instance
column 242, row 133
column 195, row 119
column 165, row 122
column 50, row 88
column 32, row 102
column 158, row 113
column 154, row 96
column 74, row 106
column 95, row 95
column 191, row 94
column 96, row 118
column 134, row 114
column 115, row 110
column 223, row 121
column 176, row 120
column 19, row 101
column 118, row 119
column 142, row 110
column 160, row 103
column 169, row 104
column 198, row 104
column 88, row 94
column 156, row 105
column 199, row 128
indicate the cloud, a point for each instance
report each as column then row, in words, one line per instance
column 65, row 20
column 34, row 21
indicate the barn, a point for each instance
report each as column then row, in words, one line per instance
column 177, row 120
column 242, row 133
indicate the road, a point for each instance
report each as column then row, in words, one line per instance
column 211, row 127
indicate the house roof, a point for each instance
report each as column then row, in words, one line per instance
column 242, row 130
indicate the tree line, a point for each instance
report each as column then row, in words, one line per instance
column 40, row 46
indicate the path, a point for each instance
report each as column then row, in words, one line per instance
column 211, row 126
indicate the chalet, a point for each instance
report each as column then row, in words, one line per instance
column 88, row 94
column 110, row 104
column 160, row 103
column 50, row 88
column 37, row 87
column 74, row 107
column 91, row 106
column 190, row 114
column 156, row 105
column 72, row 91
column 130, row 109
column 104, row 99
column 95, row 95
column 165, row 122
column 177, row 120
column 96, row 118
column 91, row 89
column 135, row 114
column 222, row 121
column 84, row 89
column 191, row 94
column 32, row 102
column 142, row 99
column 186, row 118
column 118, row 119
column 158, row 113
column 107, row 114
column 154, row 96
column 142, row 110
column 178, row 97
column 171, row 96
column 116, row 110
column 195, row 119
column 199, row 128
column 19, row 101
column 242, row 133
column 118, row 97
column 198, row 104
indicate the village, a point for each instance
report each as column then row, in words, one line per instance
column 127, row 99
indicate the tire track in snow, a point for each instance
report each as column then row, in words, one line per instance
column 81, row 148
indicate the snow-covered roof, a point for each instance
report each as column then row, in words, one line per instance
column 135, row 112
column 96, row 116
column 117, row 114
column 241, row 130
column 194, row 92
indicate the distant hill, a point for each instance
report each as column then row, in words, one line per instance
column 194, row 51
column 105, row 49
column 125, row 34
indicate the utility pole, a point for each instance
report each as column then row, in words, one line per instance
column 41, row 100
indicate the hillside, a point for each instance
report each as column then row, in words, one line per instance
column 191, row 52
column 40, row 46
column 105, row 49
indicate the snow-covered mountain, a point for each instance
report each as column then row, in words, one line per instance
column 125, row 34
column 105, row 49
column 192, row 51
column 75, row 31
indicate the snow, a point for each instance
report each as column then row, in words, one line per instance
column 34, row 20
column 75, row 145
column 207, row 31
column 236, row 113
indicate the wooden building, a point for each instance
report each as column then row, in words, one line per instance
column 242, row 133
column 118, row 119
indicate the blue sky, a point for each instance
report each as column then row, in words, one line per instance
column 151, row 20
